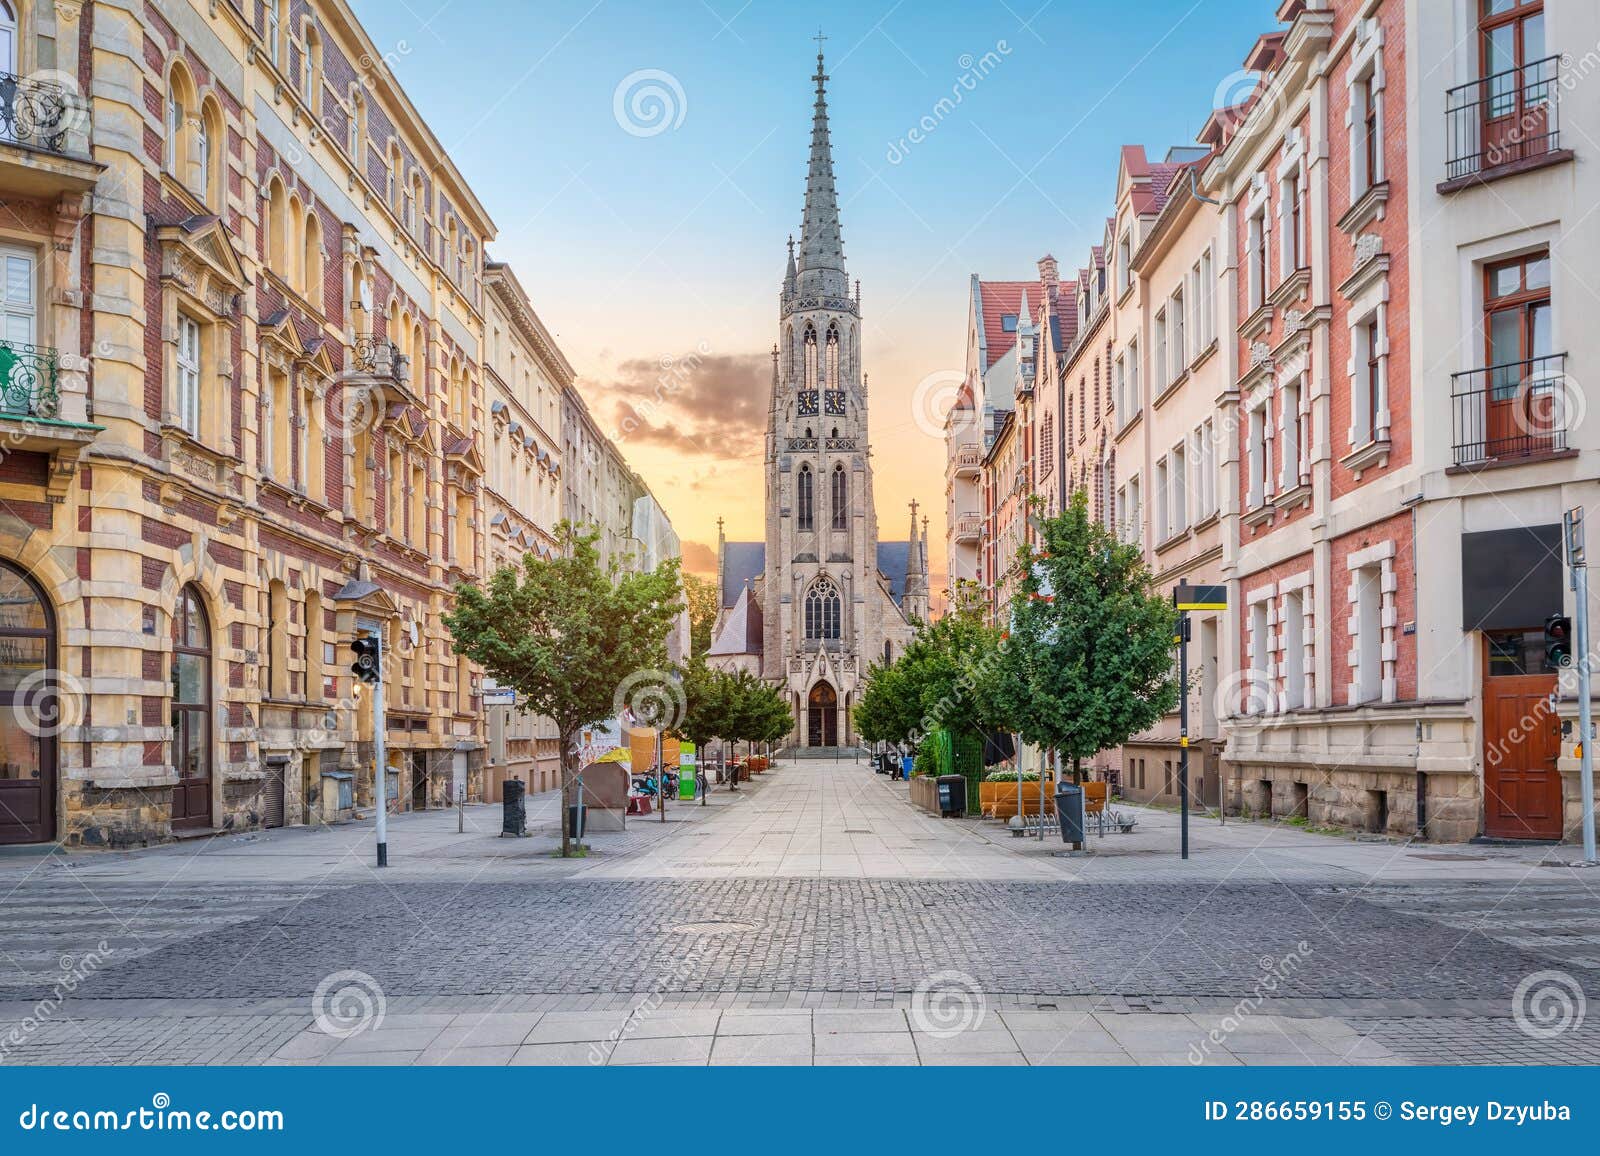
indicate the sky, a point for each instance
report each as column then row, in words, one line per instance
column 645, row 162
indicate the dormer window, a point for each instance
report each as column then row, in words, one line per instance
column 1008, row 322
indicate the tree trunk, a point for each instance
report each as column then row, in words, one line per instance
column 566, row 793
column 1077, row 771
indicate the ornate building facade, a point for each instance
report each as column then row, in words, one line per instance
column 830, row 598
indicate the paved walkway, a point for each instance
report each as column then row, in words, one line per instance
column 812, row 917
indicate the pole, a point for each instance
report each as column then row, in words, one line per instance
column 1183, row 728
column 661, row 775
column 381, row 784
column 1580, row 588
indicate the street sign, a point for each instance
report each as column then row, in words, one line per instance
column 1187, row 597
column 499, row 696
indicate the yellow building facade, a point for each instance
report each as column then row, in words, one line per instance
column 241, row 418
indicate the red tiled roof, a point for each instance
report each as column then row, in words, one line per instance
column 1001, row 298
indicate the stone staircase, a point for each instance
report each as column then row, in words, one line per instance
column 841, row 754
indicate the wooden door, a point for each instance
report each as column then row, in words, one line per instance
column 1522, row 739
column 191, row 713
column 822, row 716
column 1517, row 85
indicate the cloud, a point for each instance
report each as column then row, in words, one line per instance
column 702, row 404
column 698, row 558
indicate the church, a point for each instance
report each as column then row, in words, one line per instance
column 813, row 606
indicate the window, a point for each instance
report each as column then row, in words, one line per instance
column 1160, row 370
column 277, row 17
column 1178, row 505
column 311, row 72
column 1259, row 451
column 1294, row 651
column 1162, row 496
column 275, row 425
column 1180, row 347
column 841, row 498
column 1524, row 407
column 1293, row 453
column 1008, row 322
column 1119, row 380
column 312, row 448
column 1292, row 255
column 1369, row 400
column 312, row 261
column 1257, row 257
column 188, row 375
column 356, row 131
column 1047, row 444
column 277, row 640
column 1135, row 401
column 822, row 610
column 1258, row 696
column 191, row 711
column 1369, row 634
column 1124, row 264
column 804, row 498
column 316, row 648
column 1205, row 314
column 810, row 358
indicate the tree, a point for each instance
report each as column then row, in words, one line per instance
column 577, row 642
column 705, row 703
column 1088, row 661
column 934, row 683
column 701, row 594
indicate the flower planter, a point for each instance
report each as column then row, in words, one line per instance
column 999, row 800
column 925, row 793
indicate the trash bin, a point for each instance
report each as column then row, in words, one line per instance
column 514, row 808
column 577, row 813
column 907, row 762
column 1069, row 809
column 952, row 795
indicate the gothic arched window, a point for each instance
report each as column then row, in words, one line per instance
column 831, row 365
column 841, row 498
column 810, row 340
column 805, row 499
column 822, row 610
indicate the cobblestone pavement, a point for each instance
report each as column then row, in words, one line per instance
column 501, row 967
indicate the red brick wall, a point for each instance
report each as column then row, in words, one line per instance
column 1398, row 530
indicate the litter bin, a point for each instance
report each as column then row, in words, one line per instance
column 577, row 813
column 907, row 762
column 1069, row 809
column 952, row 795
column 514, row 808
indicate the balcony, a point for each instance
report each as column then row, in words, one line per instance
column 969, row 528
column 969, row 462
column 30, row 381
column 371, row 357
column 1503, row 124
column 1512, row 412
column 44, row 139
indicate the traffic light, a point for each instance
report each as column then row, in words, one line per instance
column 1558, row 640
column 368, row 666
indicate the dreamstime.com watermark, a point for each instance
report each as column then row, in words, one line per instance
column 1548, row 1004
column 973, row 71
column 159, row 1116
column 947, row 1003
column 74, row 971
column 649, row 102
column 1275, row 972
column 347, row 1003
column 600, row 1051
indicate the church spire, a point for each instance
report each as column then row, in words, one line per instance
column 821, row 242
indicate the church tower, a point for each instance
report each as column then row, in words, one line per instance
column 828, row 612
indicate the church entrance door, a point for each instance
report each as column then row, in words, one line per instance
column 822, row 716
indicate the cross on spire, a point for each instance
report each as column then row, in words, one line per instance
column 819, row 38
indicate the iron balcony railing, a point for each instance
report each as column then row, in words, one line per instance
column 1501, row 119
column 378, row 358
column 29, row 380
column 1521, row 409
column 34, row 112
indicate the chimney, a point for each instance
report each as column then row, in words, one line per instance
column 1049, row 272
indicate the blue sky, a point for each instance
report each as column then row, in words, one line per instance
column 643, row 245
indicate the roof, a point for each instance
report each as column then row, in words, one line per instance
column 893, row 558
column 741, row 562
column 1000, row 298
column 741, row 631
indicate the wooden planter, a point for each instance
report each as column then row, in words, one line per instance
column 925, row 793
column 999, row 800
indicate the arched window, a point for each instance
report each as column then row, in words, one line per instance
column 277, row 641
column 804, row 499
column 810, row 340
column 841, row 497
column 822, row 610
column 294, row 246
column 831, row 363
column 28, row 693
column 277, row 225
column 458, row 394
column 311, row 72
column 392, row 193
column 8, row 39
column 182, row 105
column 208, row 180
column 191, row 712
column 314, row 647
column 277, row 20
column 312, row 263
column 356, row 130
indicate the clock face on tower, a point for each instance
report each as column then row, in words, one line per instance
column 834, row 400
column 808, row 403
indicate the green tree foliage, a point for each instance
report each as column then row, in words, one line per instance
column 701, row 595
column 934, row 683
column 1088, row 662
column 737, row 707
column 567, row 635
